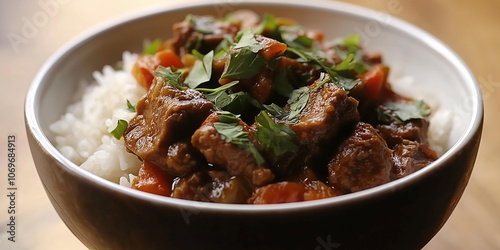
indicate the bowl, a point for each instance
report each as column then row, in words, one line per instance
column 403, row 214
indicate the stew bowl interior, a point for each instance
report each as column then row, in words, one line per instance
column 405, row 213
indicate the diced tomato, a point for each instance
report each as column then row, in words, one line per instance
column 167, row 58
column 374, row 79
column 146, row 65
column 280, row 192
column 153, row 179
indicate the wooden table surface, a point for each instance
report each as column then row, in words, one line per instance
column 471, row 28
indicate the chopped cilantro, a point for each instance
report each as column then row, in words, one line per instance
column 244, row 64
column 231, row 131
column 298, row 101
column 171, row 77
column 275, row 137
column 201, row 71
column 402, row 112
column 152, row 47
column 131, row 107
column 121, row 126
column 247, row 40
column 275, row 110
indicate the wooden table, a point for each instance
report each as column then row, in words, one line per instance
column 471, row 28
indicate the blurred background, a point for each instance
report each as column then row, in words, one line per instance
column 30, row 31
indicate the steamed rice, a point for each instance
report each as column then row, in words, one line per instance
column 83, row 133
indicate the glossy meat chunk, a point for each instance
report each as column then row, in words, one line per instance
column 328, row 109
column 236, row 160
column 410, row 156
column 166, row 116
column 362, row 161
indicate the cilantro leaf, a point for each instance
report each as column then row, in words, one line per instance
column 171, row 77
column 231, row 131
column 275, row 110
column 298, row 101
column 281, row 83
column 347, row 64
column 130, row 107
column 248, row 40
column 275, row 137
column 201, row 71
column 152, row 47
column 402, row 112
column 244, row 65
column 121, row 126
column 352, row 43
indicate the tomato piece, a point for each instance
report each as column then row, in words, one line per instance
column 167, row 58
column 153, row 179
column 374, row 79
column 280, row 192
column 146, row 65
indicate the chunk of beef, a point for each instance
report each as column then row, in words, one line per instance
column 237, row 161
column 193, row 187
column 203, row 33
column 413, row 130
column 410, row 156
column 362, row 161
column 166, row 116
column 328, row 110
column 182, row 158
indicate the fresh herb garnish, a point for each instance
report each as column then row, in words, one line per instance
column 152, row 47
column 402, row 112
column 171, row 77
column 336, row 74
column 201, row 71
column 281, row 82
column 275, row 110
column 231, row 131
column 323, row 78
column 121, row 126
column 275, row 137
column 247, row 40
column 352, row 43
column 298, row 101
column 244, row 64
column 131, row 107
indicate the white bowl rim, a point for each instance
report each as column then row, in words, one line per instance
column 33, row 94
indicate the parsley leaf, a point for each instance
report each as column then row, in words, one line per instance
column 230, row 131
column 337, row 73
column 152, row 47
column 281, row 83
column 244, row 65
column 130, row 107
column 402, row 112
column 275, row 137
column 201, row 71
column 248, row 40
column 298, row 101
column 171, row 77
column 121, row 126
column 275, row 110
column 352, row 43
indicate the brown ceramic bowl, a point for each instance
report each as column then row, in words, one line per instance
column 403, row 214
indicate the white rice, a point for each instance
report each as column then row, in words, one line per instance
column 83, row 133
